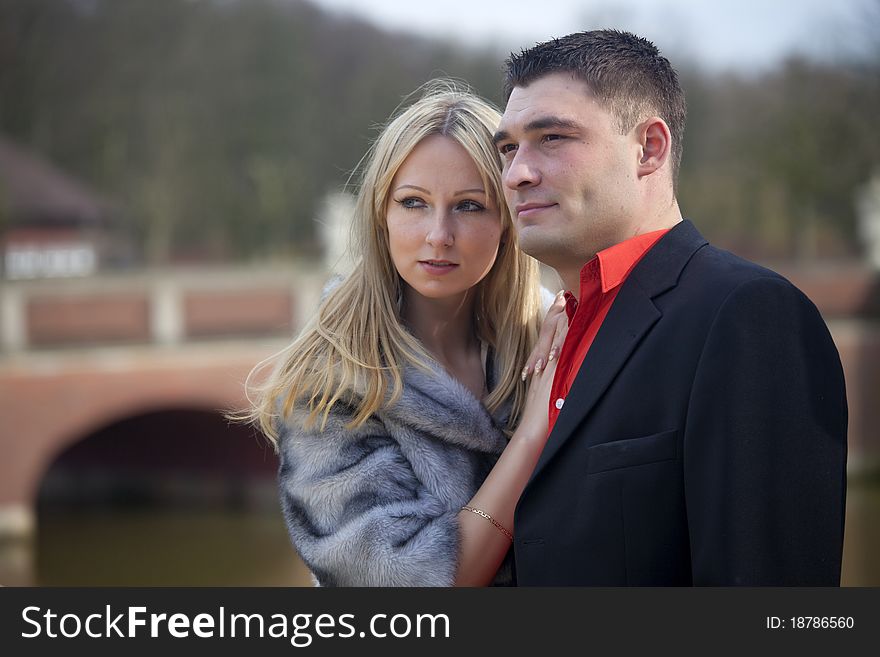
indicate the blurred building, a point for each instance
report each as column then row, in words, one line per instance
column 335, row 229
column 52, row 225
column 868, row 204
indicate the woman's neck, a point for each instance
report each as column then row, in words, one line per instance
column 445, row 326
column 447, row 329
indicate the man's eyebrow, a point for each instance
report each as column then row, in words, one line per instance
column 541, row 123
column 551, row 122
column 501, row 135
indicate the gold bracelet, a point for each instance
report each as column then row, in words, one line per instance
column 485, row 515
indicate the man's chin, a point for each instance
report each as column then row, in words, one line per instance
column 535, row 243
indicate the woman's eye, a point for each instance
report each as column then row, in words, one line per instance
column 412, row 202
column 469, row 206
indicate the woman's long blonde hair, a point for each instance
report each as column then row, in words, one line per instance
column 356, row 346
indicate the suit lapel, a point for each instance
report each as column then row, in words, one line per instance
column 630, row 319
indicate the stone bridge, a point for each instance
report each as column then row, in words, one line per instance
column 79, row 355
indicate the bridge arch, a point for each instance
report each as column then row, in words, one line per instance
column 173, row 496
column 53, row 404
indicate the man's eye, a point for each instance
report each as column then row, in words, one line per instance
column 552, row 137
column 504, row 149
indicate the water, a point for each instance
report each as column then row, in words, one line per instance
column 165, row 547
column 861, row 543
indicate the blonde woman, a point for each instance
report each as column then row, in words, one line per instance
column 394, row 411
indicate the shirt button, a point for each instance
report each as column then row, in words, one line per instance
column 559, row 403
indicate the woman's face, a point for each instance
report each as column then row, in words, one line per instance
column 444, row 228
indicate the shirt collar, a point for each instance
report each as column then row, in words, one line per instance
column 616, row 262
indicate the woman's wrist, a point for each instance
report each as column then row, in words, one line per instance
column 528, row 433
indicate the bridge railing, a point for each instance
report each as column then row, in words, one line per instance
column 157, row 307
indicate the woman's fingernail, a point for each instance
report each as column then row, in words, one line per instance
column 552, row 354
column 525, row 372
column 538, row 366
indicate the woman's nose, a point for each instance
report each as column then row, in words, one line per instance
column 440, row 233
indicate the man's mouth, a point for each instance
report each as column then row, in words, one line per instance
column 528, row 209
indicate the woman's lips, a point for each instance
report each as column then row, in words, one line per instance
column 437, row 267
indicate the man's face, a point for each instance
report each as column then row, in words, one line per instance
column 569, row 175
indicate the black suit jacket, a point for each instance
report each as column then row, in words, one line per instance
column 703, row 441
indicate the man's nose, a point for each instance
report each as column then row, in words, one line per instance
column 520, row 171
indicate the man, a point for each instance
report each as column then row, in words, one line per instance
column 698, row 411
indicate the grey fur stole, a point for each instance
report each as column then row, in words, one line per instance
column 378, row 506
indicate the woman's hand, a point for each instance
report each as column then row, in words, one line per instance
column 482, row 547
column 550, row 339
column 534, row 423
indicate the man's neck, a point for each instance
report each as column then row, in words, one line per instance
column 571, row 277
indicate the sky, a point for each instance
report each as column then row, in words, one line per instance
column 744, row 35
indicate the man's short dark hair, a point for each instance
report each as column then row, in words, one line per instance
column 627, row 74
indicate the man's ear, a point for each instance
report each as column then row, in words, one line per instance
column 655, row 142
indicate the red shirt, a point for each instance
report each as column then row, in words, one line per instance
column 601, row 280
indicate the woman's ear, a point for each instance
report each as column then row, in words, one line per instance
column 655, row 142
